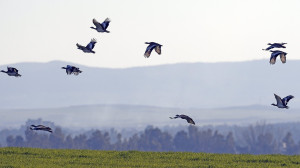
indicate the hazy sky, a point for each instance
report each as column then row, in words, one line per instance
column 189, row 30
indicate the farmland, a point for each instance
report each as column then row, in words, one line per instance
column 32, row 157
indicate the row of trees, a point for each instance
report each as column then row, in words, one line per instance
column 153, row 139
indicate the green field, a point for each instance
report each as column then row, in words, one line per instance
column 30, row 157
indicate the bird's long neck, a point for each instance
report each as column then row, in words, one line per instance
column 3, row 71
column 93, row 28
column 274, row 104
column 63, row 68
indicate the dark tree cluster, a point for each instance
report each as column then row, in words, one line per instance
column 255, row 141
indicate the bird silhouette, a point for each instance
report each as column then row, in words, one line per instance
column 101, row 27
column 40, row 127
column 277, row 53
column 282, row 103
column 88, row 48
column 151, row 46
column 187, row 118
column 275, row 45
column 71, row 70
column 11, row 71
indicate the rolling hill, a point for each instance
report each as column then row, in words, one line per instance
column 186, row 85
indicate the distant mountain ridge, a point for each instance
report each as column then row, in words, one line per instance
column 140, row 116
column 183, row 85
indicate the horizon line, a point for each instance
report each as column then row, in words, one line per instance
column 138, row 66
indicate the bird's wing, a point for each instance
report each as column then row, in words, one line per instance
column 158, row 49
column 279, row 45
column 177, row 116
column 147, row 53
column 270, row 47
column 278, row 99
column 91, row 45
column 96, row 23
column 41, row 127
column 105, row 24
column 273, row 60
column 68, row 71
column 275, row 53
column 80, row 46
column 274, row 56
column 149, row 50
column 73, row 69
column 283, row 57
column 287, row 99
column 190, row 120
column 77, row 70
column 10, row 69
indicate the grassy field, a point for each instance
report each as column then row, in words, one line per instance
column 30, row 157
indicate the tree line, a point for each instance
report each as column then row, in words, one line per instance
column 255, row 141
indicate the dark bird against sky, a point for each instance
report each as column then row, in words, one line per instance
column 275, row 45
column 11, row 71
column 277, row 53
column 151, row 46
column 88, row 48
column 101, row 27
column 40, row 127
column 72, row 69
column 187, row 118
column 282, row 103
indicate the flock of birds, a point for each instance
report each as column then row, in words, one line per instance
column 276, row 53
column 280, row 103
column 102, row 28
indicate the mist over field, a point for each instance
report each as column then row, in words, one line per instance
column 229, row 102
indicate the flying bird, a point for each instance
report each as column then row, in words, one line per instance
column 282, row 103
column 40, row 127
column 187, row 118
column 275, row 45
column 151, row 46
column 72, row 69
column 88, row 48
column 11, row 71
column 101, row 27
column 275, row 54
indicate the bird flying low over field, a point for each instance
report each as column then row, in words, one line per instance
column 40, row 127
column 187, row 118
column 151, row 46
column 72, row 70
column 282, row 103
column 275, row 45
column 88, row 48
column 101, row 27
column 11, row 71
column 275, row 54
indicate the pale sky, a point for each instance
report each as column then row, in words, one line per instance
column 189, row 30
